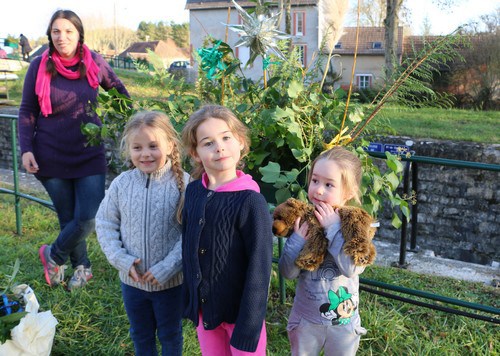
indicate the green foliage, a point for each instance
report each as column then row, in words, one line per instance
column 149, row 31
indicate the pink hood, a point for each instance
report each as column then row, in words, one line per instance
column 243, row 182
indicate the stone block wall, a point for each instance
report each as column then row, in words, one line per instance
column 458, row 208
column 5, row 138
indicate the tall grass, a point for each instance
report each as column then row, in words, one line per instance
column 92, row 321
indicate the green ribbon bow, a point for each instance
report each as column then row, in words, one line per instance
column 335, row 299
column 266, row 62
column 211, row 60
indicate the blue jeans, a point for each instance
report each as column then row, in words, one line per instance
column 152, row 313
column 76, row 202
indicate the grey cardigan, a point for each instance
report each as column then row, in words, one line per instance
column 137, row 219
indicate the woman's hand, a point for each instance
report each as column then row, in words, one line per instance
column 301, row 230
column 29, row 162
column 326, row 215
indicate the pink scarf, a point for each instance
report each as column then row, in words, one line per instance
column 42, row 86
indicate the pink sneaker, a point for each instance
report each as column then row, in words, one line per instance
column 54, row 274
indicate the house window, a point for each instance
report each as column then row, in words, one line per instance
column 338, row 45
column 377, row 45
column 302, row 53
column 299, row 23
column 364, row 81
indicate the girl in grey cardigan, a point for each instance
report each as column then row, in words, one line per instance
column 138, row 228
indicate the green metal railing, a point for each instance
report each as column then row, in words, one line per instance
column 15, row 171
column 411, row 173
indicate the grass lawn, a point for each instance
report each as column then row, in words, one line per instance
column 92, row 321
column 445, row 124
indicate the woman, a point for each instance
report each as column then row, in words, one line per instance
column 59, row 95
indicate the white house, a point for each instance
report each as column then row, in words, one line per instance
column 208, row 18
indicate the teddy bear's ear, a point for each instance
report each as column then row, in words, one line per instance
column 292, row 202
column 297, row 204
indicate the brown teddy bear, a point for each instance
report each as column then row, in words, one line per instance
column 356, row 226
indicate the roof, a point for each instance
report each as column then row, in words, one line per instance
column 164, row 49
column 140, row 47
column 371, row 41
column 416, row 43
column 216, row 4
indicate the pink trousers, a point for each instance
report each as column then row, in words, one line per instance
column 216, row 342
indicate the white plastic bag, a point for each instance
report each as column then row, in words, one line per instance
column 35, row 333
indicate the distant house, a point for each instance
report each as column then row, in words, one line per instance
column 208, row 18
column 369, row 59
column 167, row 50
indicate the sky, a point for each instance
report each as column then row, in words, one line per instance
column 31, row 17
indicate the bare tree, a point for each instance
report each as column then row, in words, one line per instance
column 371, row 12
column 391, row 24
column 101, row 35
column 477, row 79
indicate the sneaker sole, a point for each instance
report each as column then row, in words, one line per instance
column 41, row 253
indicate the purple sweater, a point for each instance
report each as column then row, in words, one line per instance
column 60, row 148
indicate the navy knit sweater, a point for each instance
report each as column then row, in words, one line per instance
column 60, row 148
column 227, row 257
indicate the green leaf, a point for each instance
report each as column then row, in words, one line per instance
column 258, row 157
column 396, row 221
column 405, row 210
column 282, row 195
column 302, row 195
column 378, row 182
column 281, row 182
column 270, row 173
column 394, row 163
column 292, row 175
column 294, row 89
column 393, row 180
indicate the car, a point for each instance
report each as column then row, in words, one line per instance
column 179, row 65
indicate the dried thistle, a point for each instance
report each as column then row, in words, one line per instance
column 259, row 33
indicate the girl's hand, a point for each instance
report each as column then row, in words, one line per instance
column 326, row 215
column 149, row 278
column 301, row 230
column 133, row 273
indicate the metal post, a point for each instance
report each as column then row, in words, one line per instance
column 404, row 223
column 17, row 198
column 414, row 208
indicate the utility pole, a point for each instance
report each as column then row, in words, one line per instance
column 114, row 26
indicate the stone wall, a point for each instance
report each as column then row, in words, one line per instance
column 458, row 208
